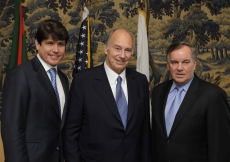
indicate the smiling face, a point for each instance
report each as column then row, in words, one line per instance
column 51, row 51
column 181, row 65
column 119, row 51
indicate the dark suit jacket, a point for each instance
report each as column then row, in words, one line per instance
column 31, row 123
column 201, row 129
column 93, row 130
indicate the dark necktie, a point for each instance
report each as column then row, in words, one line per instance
column 52, row 72
column 169, row 118
column 121, row 102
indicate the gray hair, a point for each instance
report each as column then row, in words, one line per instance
column 107, row 43
column 179, row 45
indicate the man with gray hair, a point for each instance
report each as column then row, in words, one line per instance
column 108, row 117
column 191, row 117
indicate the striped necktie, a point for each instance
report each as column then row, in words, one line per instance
column 121, row 102
column 169, row 118
column 52, row 72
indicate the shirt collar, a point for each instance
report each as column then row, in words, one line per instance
column 44, row 64
column 112, row 76
column 185, row 86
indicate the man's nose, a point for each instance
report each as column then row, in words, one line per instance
column 122, row 54
column 55, row 48
column 180, row 66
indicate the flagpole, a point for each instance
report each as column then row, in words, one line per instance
column 142, row 5
column 86, row 3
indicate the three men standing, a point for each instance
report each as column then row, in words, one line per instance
column 108, row 118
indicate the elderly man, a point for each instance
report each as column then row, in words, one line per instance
column 108, row 115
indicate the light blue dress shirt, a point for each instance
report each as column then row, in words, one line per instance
column 172, row 92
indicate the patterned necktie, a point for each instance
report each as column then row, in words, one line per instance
column 52, row 72
column 121, row 102
column 169, row 118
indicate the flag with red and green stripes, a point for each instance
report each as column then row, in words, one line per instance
column 18, row 51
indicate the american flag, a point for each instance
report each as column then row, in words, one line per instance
column 82, row 60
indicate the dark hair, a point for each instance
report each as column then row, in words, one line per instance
column 179, row 45
column 107, row 43
column 52, row 28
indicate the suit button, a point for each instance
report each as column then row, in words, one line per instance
column 168, row 142
column 124, row 155
column 57, row 148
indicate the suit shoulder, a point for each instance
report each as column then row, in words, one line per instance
column 163, row 85
column 210, row 86
column 20, row 68
column 87, row 74
column 136, row 74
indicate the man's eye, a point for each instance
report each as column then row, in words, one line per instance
column 174, row 63
column 61, row 44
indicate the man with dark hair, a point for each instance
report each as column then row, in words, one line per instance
column 108, row 114
column 190, row 117
column 34, row 101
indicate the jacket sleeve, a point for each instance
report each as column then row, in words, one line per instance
column 15, row 99
column 71, row 130
column 218, row 128
column 146, row 137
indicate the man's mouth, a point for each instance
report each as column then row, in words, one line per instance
column 54, row 57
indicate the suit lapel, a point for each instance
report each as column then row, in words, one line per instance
column 45, row 82
column 163, row 100
column 187, row 102
column 132, row 93
column 66, row 91
column 102, row 86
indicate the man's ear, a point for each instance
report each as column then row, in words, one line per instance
column 105, row 49
column 195, row 66
column 167, row 65
column 37, row 45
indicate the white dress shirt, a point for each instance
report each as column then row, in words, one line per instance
column 112, row 77
column 58, row 82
